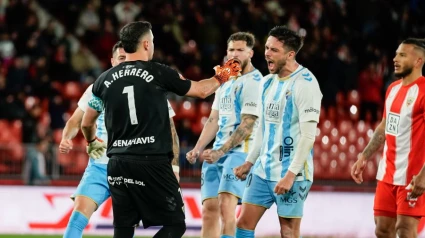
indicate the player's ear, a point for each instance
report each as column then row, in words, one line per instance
column 112, row 61
column 251, row 53
column 145, row 44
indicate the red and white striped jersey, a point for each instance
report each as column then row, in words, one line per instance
column 404, row 150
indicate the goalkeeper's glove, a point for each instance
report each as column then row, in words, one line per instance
column 231, row 68
column 96, row 148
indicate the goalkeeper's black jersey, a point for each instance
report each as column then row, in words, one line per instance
column 134, row 97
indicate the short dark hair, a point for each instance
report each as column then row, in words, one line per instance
column 131, row 33
column 417, row 42
column 116, row 46
column 243, row 36
column 289, row 38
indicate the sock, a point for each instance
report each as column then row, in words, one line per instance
column 76, row 224
column 226, row 236
column 242, row 233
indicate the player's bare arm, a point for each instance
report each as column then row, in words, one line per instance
column 176, row 150
column 203, row 88
column 96, row 147
column 206, row 87
column 70, row 131
column 207, row 135
column 88, row 125
column 176, row 145
column 378, row 139
column 241, row 133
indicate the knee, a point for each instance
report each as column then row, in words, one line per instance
column 382, row 233
column 287, row 232
column 404, row 231
column 226, row 209
column 210, row 211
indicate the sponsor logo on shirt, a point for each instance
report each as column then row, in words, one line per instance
column 311, row 109
column 135, row 141
column 251, row 104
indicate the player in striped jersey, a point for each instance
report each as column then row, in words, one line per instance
column 93, row 189
column 282, row 155
column 399, row 207
column 232, row 120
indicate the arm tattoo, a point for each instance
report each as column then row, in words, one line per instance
column 375, row 143
column 241, row 133
column 176, row 145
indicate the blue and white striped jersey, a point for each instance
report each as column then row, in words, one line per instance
column 234, row 98
column 285, row 103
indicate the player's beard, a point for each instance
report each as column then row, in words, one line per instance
column 279, row 65
column 406, row 72
column 244, row 64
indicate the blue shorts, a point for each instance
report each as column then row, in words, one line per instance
column 94, row 184
column 260, row 192
column 219, row 177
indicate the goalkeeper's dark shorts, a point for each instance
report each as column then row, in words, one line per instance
column 144, row 190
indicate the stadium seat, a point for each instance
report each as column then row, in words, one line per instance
column 204, row 109
column 72, row 90
column 187, row 110
column 353, row 98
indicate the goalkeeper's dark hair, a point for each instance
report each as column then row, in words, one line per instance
column 243, row 36
column 116, row 46
column 131, row 34
column 417, row 42
column 290, row 39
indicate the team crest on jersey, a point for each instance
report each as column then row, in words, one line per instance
column 409, row 101
column 288, row 93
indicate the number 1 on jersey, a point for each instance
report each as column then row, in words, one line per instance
column 129, row 90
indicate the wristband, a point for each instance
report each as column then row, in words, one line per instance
column 90, row 141
column 176, row 169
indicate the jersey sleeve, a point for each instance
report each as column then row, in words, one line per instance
column 251, row 95
column 84, row 100
column 173, row 81
column 308, row 98
column 215, row 104
column 96, row 101
column 171, row 112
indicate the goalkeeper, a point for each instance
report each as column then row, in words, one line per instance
column 93, row 189
column 231, row 122
column 133, row 97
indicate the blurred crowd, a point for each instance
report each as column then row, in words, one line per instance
column 51, row 50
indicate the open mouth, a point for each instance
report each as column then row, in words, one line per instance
column 396, row 67
column 237, row 60
column 270, row 64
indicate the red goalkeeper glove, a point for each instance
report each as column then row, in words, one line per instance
column 231, row 68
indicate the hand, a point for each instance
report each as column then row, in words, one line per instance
column 417, row 185
column 357, row 169
column 230, row 69
column 285, row 184
column 242, row 171
column 65, row 146
column 211, row 156
column 193, row 155
column 96, row 148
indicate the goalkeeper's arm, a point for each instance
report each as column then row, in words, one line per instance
column 206, row 87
